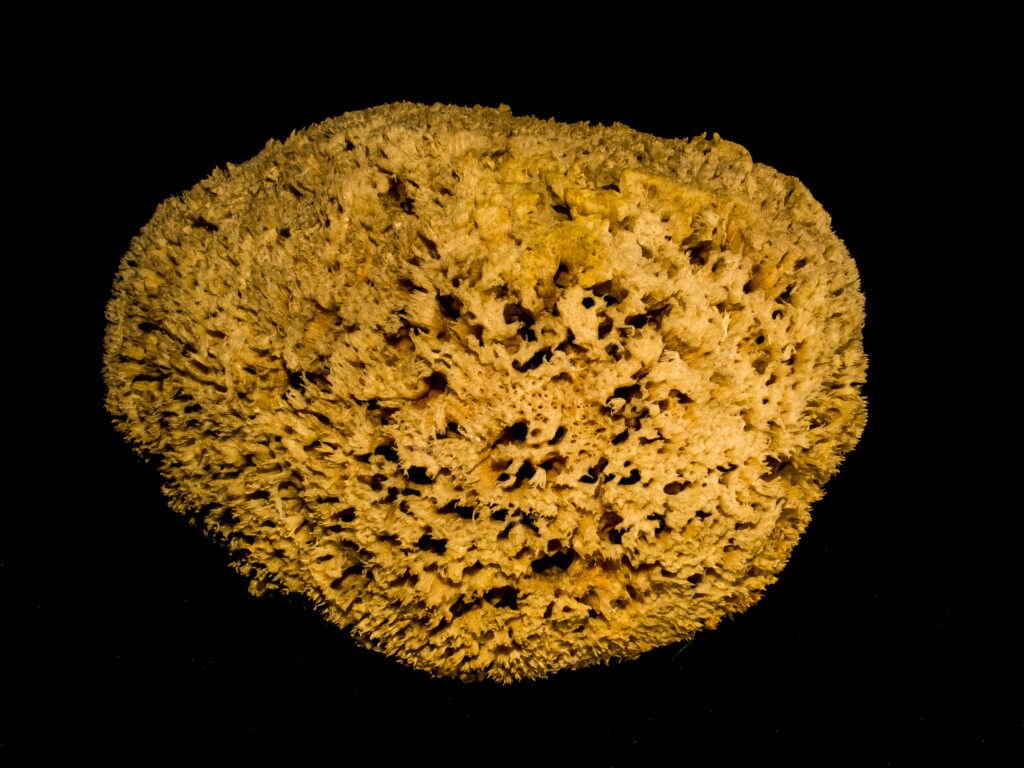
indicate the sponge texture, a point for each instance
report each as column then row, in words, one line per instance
column 503, row 396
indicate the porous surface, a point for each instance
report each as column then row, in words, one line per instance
column 503, row 396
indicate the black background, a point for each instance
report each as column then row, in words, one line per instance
column 881, row 643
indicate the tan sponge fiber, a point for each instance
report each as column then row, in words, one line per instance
column 503, row 396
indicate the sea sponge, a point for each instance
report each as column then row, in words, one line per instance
column 503, row 396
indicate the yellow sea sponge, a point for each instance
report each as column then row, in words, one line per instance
column 502, row 395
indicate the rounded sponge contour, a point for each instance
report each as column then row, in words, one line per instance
column 504, row 396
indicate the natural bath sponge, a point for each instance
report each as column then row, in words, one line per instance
column 503, row 396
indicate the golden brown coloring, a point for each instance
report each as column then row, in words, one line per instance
column 503, row 396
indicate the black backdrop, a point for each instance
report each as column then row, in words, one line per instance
column 880, row 643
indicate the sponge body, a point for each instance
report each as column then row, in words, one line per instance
column 503, row 396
